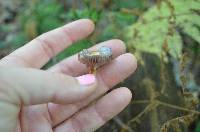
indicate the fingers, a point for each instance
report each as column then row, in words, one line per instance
column 30, row 87
column 71, row 66
column 38, row 52
column 121, row 68
column 93, row 117
column 107, row 76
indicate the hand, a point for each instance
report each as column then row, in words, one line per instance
column 59, row 99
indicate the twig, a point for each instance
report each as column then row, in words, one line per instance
column 140, row 102
column 177, row 107
column 136, row 119
column 122, row 124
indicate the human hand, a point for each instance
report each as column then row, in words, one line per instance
column 59, row 99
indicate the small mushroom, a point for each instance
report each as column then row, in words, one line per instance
column 95, row 59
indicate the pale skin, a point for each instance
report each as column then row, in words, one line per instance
column 52, row 100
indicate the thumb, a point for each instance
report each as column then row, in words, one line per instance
column 30, row 87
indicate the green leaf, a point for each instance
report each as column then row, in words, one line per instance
column 83, row 44
column 18, row 40
column 123, row 19
column 198, row 127
column 48, row 8
column 128, row 3
column 175, row 45
column 48, row 24
column 161, row 25
column 191, row 26
column 83, row 13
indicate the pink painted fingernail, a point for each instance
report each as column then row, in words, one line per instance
column 87, row 79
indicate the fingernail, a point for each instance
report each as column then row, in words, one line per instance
column 86, row 79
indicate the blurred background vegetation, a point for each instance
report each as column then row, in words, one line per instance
column 163, row 34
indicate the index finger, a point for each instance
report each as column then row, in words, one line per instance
column 40, row 50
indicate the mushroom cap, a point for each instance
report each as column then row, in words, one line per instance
column 105, row 51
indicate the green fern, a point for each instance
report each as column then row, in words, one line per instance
column 161, row 25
